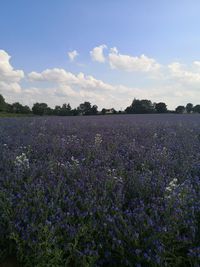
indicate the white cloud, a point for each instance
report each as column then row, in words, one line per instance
column 114, row 50
column 61, row 77
column 185, row 74
column 7, row 73
column 132, row 64
column 9, row 78
column 10, row 87
column 81, row 87
column 196, row 63
column 53, row 75
column 97, row 53
column 72, row 55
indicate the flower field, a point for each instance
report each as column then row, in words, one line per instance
column 101, row 190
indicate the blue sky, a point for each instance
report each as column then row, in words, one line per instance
column 38, row 35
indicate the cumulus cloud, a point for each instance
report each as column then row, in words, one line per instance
column 97, row 53
column 61, row 77
column 124, row 62
column 7, row 73
column 9, row 78
column 196, row 63
column 10, row 87
column 81, row 87
column 72, row 55
column 132, row 63
column 185, row 74
column 53, row 75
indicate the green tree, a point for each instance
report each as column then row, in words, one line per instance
column 85, row 108
column 196, row 109
column 103, row 111
column 140, row 107
column 40, row 108
column 161, row 107
column 57, row 110
column 94, row 110
column 2, row 103
column 180, row 109
column 65, row 110
column 189, row 107
column 19, row 108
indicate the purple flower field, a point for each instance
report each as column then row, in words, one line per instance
column 101, row 190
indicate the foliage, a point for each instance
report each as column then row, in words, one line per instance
column 2, row 103
column 86, row 109
column 140, row 107
column 40, row 108
column 161, row 107
column 189, row 107
column 180, row 109
column 196, row 109
column 18, row 108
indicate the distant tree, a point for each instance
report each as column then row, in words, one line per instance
column 57, row 110
column 17, row 107
column 189, row 107
column 94, row 110
column 40, row 109
column 69, row 109
column 140, row 106
column 49, row 111
column 103, row 111
column 180, row 109
column 128, row 110
column 85, row 108
column 75, row 112
column 2, row 103
column 161, row 107
column 196, row 109
column 65, row 110
column 9, row 108
column 135, row 107
column 25, row 109
column 114, row 111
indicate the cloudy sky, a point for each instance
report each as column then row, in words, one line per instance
column 106, row 52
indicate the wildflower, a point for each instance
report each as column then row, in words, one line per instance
column 22, row 161
column 155, row 135
column 98, row 139
column 172, row 185
column 75, row 161
column 170, row 189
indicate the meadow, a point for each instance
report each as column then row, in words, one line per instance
column 118, row 190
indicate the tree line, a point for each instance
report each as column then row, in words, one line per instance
column 137, row 106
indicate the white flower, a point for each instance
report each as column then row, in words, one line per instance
column 22, row 161
column 171, row 187
column 75, row 161
column 98, row 140
column 155, row 135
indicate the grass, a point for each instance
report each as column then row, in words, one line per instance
column 6, row 115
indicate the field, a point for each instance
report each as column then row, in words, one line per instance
column 100, row 190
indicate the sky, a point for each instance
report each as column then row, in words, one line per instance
column 106, row 52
